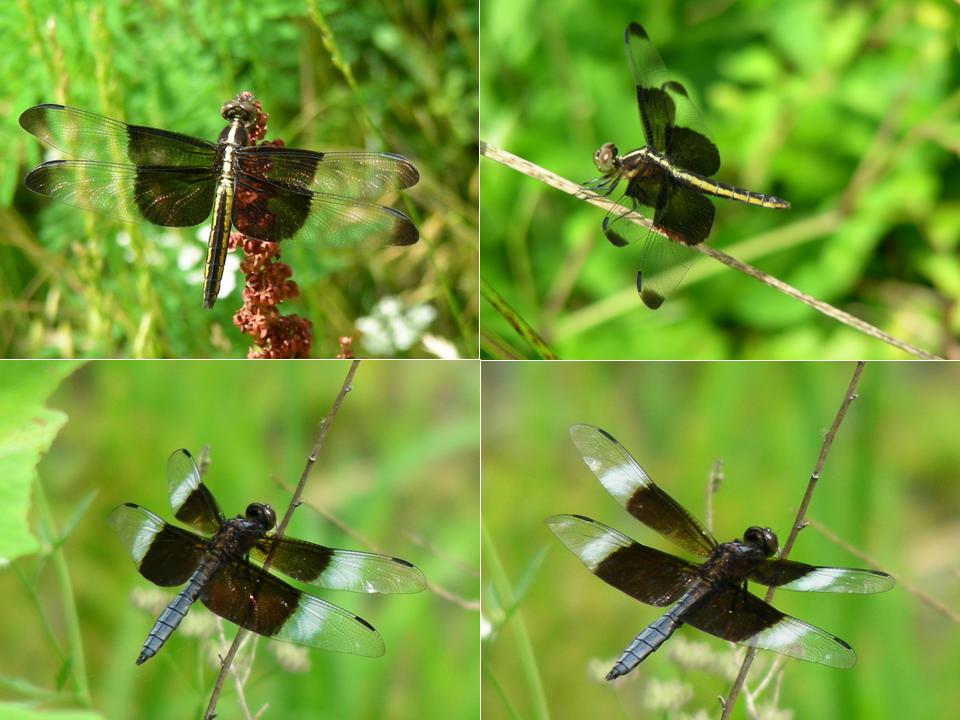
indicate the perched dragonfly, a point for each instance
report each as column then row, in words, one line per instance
column 135, row 173
column 711, row 596
column 670, row 175
column 215, row 567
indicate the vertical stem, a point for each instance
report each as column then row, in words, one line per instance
column 849, row 396
column 346, row 387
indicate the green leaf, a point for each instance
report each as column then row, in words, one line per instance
column 27, row 429
column 64, row 674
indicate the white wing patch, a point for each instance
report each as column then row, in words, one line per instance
column 797, row 639
column 838, row 579
column 816, row 581
column 622, row 481
column 591, row 541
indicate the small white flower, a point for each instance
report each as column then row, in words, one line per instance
column 441, row 347
column 390, row 329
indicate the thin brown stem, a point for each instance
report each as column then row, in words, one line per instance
column 317, row 446
column 294, row 503
column 571, row 188
column 848, row 398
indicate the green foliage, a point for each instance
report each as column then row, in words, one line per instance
column 11, row 711
column 27, row 429
column 398, row 473
column 848, row 111
column 334, row 75
column 552, row 629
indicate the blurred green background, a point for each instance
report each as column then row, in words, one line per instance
column 399, row 470
column 848, row 110
column 371, row 75
column 889, row 488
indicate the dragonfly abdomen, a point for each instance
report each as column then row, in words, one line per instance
column 173, row 614
column 655, row 634
column 646, row 156
column 730, row 192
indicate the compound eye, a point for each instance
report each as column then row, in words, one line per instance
column 248, row 112
column 605, row 157
column 244, row 111
column 772, row 544
column 761, row 537
column 269, row 516
column 261, row 514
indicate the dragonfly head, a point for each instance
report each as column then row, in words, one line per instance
column 261, row 516
column 240, row 109
column 607, row 159
column 763, row 539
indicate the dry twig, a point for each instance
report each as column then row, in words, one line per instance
column 281, row 527
column 571, row 188
column 848, row 397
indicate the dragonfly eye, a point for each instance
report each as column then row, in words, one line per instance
column 762, row 538
column 261, row 514
column 241, row 110
column 606, row 158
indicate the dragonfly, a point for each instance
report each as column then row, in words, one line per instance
column 212, row 562
column 135, row 173
column 710, row 595
column 671, row 175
